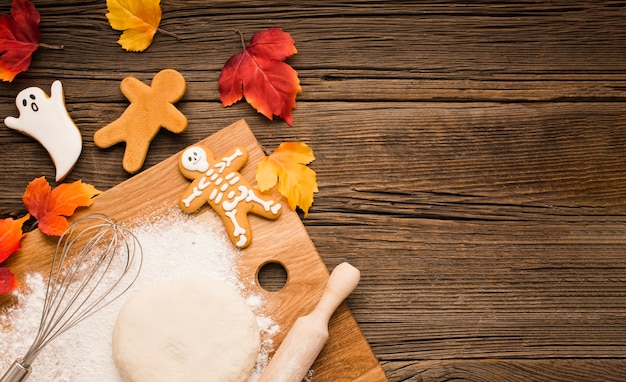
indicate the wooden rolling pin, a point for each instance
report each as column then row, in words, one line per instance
column 309, row 333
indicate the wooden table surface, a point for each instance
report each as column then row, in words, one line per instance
column 471, row 161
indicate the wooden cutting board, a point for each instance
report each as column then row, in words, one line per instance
column 346, row 357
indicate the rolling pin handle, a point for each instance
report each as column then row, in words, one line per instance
column 309, row 333
column 343, row 280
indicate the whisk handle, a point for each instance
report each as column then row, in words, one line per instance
column 16, row 373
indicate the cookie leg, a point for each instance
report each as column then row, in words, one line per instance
column 239, row 235
column 135, row 154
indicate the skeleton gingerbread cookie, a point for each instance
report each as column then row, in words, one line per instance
column 219, row 183
column 46, row 120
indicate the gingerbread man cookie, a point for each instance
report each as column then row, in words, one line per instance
column 151, row 107
column 47, row 120
column 219, row 183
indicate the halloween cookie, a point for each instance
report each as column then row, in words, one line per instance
column 46, row 119
column 151, row 107
column 219, row 183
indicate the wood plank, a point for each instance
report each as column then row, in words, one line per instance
column 564, row 370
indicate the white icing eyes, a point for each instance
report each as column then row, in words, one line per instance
column 195, row 159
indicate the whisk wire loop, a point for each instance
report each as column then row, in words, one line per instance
column 96, row 260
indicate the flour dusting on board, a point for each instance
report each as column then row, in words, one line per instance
column 173, row 244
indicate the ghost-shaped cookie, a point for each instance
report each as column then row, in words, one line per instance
column 46, row 120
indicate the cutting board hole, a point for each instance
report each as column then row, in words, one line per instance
column 272, row 276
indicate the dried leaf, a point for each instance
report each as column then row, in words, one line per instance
column 19, row 38
column 286, row 166
column 10, row 236
column 139, row 19
column 50, row 207
column 8, row 282
column 259, row 74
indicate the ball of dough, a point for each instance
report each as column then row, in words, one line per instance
column 190, row 329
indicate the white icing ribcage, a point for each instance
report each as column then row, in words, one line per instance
column 226, row 190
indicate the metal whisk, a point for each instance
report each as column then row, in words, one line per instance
column 95, row 261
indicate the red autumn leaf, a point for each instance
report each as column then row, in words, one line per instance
column 10, row 236
column 19, row 38
column 259, row 74
column 50, row 207
column 8, row 282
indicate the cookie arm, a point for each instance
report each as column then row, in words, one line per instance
column 235, row 158
column 192, row 199
column 110, row 135
column 56, row 93
column 12, row 123
column 173, row 119
column 135, row 90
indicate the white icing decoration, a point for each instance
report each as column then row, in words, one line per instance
column 252, row 197
column 239, row 230
column 242, row 241
column 203, row 183
column 195, row 193
column 46, row 120
column 217, row 187
column 228, row 206
column 229, row 160
column 194, row 159
column 276, row 208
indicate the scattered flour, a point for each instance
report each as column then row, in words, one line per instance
column 173, row 244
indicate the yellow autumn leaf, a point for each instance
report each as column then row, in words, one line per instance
column 139, row 19
column 286, row 167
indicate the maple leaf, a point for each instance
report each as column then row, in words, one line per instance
column 10, row 236
column 139, row 19
column 8, row 282
column 19, row 38
column 259, row 74
column 286, row 166
column 51, row 206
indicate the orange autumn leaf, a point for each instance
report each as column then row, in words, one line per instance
column 19, row 38
column 259, row 74
column 286, row 167
column 51, row 206
column 139, row 19
column 10, row 236
column 8, row 282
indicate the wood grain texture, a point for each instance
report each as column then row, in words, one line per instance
column 470, row 156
